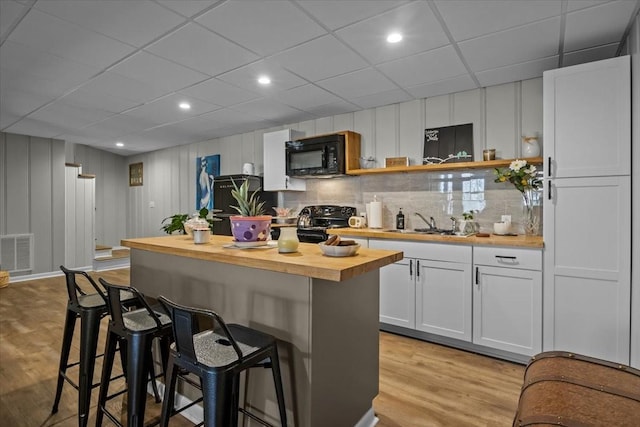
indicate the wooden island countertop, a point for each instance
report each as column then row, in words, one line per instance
column 308, row 261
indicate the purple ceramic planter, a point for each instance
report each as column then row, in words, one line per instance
column 250, row 228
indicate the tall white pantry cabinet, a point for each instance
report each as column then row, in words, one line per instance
column 587, row 209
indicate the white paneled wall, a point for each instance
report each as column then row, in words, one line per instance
column 498, row 114
column 79, row 214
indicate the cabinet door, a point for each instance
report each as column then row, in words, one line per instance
column 443, row 298
column 587, row 119
column 507, row 309
column 587, row 267
column 397, row 294
column 274, row 158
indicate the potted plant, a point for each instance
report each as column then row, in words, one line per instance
column 176, row 222
column 467, row 225
column 251, row 225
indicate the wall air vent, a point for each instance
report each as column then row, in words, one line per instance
column 16, row 252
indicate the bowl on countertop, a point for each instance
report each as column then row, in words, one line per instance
column 339, row 251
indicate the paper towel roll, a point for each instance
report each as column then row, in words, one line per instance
column 375, row 216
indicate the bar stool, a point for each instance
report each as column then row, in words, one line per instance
column 90, row 308
column 134, row 331
column 217, row 356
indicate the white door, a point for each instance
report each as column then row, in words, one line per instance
column 507, row 309
column 587, row 282
column 397, row 293
column 587, row 119
column 443, row 298
column 274, row 162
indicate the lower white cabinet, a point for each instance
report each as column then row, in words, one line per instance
column 507, row 299
column 429, row 290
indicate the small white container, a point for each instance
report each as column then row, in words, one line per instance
column 201, row 235
column 501, row 227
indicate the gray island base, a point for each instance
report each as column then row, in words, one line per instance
column 327, row 330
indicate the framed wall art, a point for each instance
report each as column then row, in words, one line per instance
column 135, row 174
column 207, row 168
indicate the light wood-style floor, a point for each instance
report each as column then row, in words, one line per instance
column 421, row 384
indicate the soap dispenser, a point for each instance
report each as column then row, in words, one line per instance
column 400, row 220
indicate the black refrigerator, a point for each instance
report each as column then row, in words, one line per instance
column 223, row 200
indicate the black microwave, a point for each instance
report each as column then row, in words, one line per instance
column 316, row 156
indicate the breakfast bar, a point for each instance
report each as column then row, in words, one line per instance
column 323, row 311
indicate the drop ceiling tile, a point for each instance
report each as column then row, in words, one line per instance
column 582, row 4
column 69, row 118
column 442, row 87
column 188, row 7
column 467, row 19
column 220, row 118
column 511, row 73
column 158, row 72
column 417, row 23
column 382, row 98
column 357, row 84
column 7, row 117
column 246, row 77
column 267, row 109
column 201, row 50
column 9, row 12
column 119, row 86
column 82, row 98
column 598, row 25
column 268, row 25
column 119, row 125
column 32, row 127
column 526, row 43
column 50, row 34
column 335, row 14
column 217, row 92
column 309, row 60
column 426, row 67
column 333, row 109
column 590, row 55
column 166, row 110
column 132, row 22
column 26, row 82
column 305, row 97
column 65, row 73
column 161, row 137
column 18, row 103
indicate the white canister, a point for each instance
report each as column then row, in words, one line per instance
column 530, row 146
column 201, row 235
column 248, row 169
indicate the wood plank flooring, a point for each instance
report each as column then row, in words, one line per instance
column 421, row 384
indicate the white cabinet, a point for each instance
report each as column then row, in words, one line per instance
column 507, row 299
column 429, row 290
column 587, row 119
column 274, row 157
column 587, row 209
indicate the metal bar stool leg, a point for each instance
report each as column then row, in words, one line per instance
column 277, row 379
column 218, row 401
column 89, row 325
column 171, row 376
column 67, row 337
column 107, row 366
column 138, row 372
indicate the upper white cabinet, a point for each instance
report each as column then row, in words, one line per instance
column 587, row 209
column 587, row 119
column 275, row 176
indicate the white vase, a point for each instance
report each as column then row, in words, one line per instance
column 530, row 146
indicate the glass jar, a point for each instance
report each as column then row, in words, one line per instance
column 288, row 241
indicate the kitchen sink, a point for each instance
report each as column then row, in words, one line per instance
column 437, row 231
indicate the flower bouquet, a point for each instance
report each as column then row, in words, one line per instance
column 524, row 177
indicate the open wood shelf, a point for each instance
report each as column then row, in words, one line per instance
column 489, row 164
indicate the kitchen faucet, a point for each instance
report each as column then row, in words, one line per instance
column 431, row 222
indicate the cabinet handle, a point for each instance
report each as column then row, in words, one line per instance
column 549, row 190
column 418, row 268
column 506, row 257
column 477, row 273
column 549, row 166
column 410, row 268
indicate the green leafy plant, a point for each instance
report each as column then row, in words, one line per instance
column 469, row 215
column 249, row 204
column 174, row 223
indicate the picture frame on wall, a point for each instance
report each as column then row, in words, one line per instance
column 207, row 168
column 135, row 174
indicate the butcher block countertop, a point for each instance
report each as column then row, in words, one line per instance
column 308, row 261
column 521, row 241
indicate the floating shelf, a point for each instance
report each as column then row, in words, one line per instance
column 489, row 164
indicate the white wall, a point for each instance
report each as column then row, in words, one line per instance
column 500, row 115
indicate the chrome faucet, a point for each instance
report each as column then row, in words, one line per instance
column 430, row 222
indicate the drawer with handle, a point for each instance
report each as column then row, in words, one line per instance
column 527, row 259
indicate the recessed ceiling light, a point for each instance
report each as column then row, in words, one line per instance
column 184, row 106
column 264, row 80
column 119, row 144
column 394, row 37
